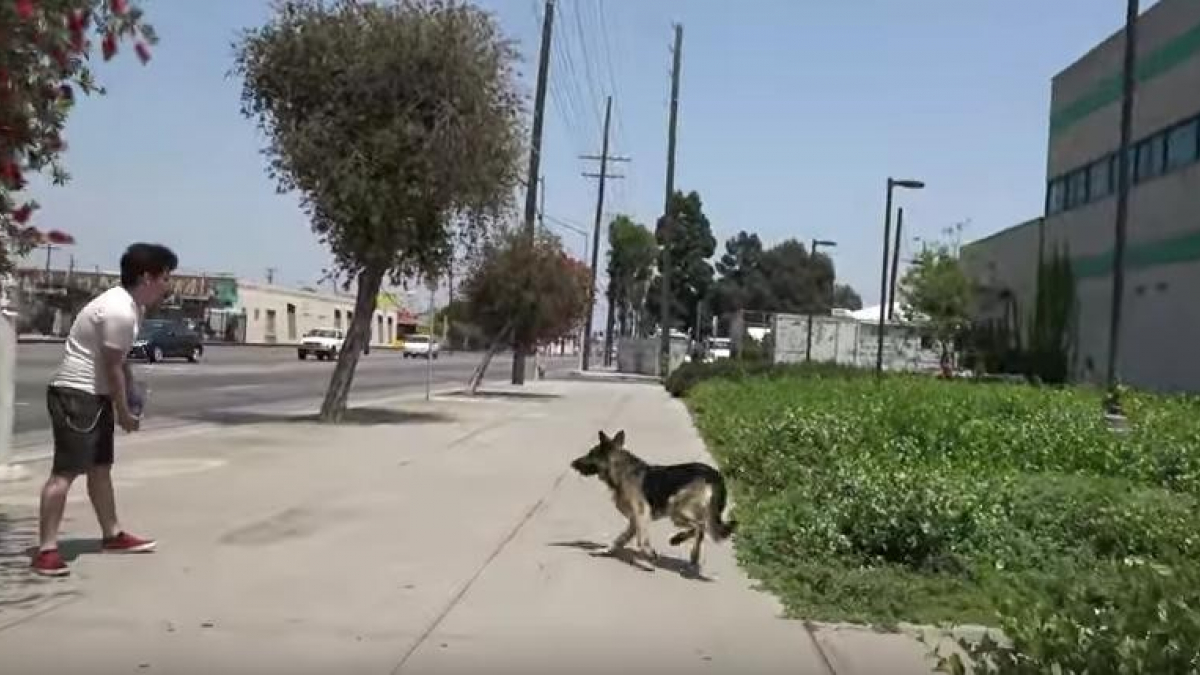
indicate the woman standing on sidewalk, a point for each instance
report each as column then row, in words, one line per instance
column 89, row 395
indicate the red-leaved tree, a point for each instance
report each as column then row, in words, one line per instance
column 523, row 296
column 45, row 48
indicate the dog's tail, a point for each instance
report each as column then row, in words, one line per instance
column 719, row 528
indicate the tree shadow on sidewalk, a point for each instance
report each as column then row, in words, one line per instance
column 354, row 417
column 21, row 590
column 634, row 559
column 485, row 394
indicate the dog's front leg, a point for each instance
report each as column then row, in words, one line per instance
column 641, row 521
column 622, row 539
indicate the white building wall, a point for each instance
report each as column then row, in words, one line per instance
column 277, row 315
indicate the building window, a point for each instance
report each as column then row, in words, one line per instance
column 1182, row 144
column 1150, row 158
column 1077, row 188
column 1056, row 200
column 1100, row 178
column 291, row 321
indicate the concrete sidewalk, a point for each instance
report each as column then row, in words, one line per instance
column 442, row 537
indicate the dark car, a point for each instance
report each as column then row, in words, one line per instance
column 161, row 339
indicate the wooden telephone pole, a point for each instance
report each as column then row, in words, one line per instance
column 535, row 160
column 602, row 177
column 665, row 226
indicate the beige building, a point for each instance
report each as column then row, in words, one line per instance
column 1160, row 331
column 279, row 315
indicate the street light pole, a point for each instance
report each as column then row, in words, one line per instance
column 883, row 276
column 891, row 301
column 812, row 251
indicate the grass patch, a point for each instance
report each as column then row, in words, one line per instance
column 921, row 500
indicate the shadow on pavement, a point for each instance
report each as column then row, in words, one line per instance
column 20, row 589
column 634, row 559
column 353, row 417
column 510, row 395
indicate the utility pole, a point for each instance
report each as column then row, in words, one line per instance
column 542, row 203
column 535, row 161
column 602, row 177
column 665, row 226
column 1112, row 400
column 891, row 299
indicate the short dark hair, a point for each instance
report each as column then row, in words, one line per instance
column 153, row 259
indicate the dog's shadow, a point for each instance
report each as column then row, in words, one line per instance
column 636, row 560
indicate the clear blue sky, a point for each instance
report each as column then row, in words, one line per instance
column 793, row 113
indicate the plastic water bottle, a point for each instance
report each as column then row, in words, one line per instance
column 136, row 397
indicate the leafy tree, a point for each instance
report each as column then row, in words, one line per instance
column 631, row 254
column 937, row 294
column 799, row 282
column 691, row 245
column 461, row 332
column 508, row 272
column 45, row 46
column 784, row 278
column 398, row 124
column 1052, row 330
column 845, row 297
column 743, row 282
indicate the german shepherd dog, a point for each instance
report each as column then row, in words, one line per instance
column 692, row 495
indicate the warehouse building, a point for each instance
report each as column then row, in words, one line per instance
column 1160, row 331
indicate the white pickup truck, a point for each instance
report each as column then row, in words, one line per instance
column 420, row 347
column 323, row 343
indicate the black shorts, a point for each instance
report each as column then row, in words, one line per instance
column 84, row 426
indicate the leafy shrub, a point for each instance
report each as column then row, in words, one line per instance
column 1126, row 616
column 924, row 500
column 684, row 378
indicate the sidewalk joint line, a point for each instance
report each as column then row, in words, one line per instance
column 462, row 592
column 466, row 587
column 825, row 660
column 69, row 598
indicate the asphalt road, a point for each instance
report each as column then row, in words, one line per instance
column 232, row 384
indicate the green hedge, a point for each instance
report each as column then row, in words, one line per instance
column 915, row 499
column 683, row 379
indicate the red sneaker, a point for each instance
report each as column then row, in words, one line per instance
column 49, row 564
column 127, row 543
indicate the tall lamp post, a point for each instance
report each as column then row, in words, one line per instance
column 812, row 251
column 892, row 183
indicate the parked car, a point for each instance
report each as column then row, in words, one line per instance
column 323, row 343
column 718, row 348
column 420, row 347
column 160, row 339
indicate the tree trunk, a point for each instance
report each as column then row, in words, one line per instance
column 609, row 326
column 477, row 376
column 518, row 366
column 357, row 337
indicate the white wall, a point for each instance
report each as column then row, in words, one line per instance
column 850, row 342
column 269, row 321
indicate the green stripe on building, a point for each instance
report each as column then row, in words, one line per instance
column 1181, row 249
column 1108, row 90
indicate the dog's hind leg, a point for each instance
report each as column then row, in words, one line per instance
column 695, row 557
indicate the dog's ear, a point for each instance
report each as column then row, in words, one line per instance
column 619, row 439
column 603, row 437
